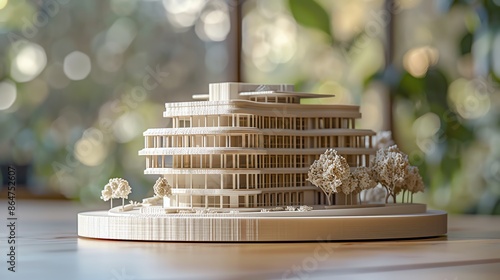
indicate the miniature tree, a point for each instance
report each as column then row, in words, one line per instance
column 123, row 190
column 315, row 176
column 116, row 188
column 361, row 179
column 414, row 183
column 329, row 172
column 107, row 194
column 162, row 188
column 348, row 188
column 376, row 194
column 389, row 168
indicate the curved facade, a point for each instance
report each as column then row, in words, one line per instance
column 250, row 145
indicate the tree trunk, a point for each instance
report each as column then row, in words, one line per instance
column 392, row 194
column 123, row 204
column 388, row 194
column 329, row 198
column 111, row 203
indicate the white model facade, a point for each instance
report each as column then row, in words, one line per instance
column 248, row 145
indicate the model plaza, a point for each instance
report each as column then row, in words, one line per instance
column 249, row 145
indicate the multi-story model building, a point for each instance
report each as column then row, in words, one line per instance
column 248, row 145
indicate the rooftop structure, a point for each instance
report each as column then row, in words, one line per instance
column 249, row 145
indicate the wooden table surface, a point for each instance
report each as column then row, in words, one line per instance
column 48, row 248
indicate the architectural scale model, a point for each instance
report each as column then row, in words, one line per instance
column 250, row 146
column 250, row 162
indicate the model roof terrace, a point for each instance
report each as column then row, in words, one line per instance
column 276, row 93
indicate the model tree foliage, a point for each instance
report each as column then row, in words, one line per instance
column 123, row 189
column 107, row 194
column 361, row 180
column 414, row 183
column 162, row 188
column 116, row 188
column 329, row 172
column 390, row 169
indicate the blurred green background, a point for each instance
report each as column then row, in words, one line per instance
column 81, row 80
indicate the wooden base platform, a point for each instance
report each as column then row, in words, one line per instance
column 224, row 227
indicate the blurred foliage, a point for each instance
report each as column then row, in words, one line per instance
column 310, row 14
column 81, row 80
column 442, row 83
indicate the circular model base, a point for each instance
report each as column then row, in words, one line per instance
column 223, row 227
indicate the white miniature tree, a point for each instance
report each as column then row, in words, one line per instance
column 348, row 188
column 123, row 190
column 361, row 180
column 329, row 172
column 382, row 140
column 389, row 168
column 376, row 194
column 116, row 188
column 414, row 183
column 315, row 176
column 107, row 194
column 162, row 188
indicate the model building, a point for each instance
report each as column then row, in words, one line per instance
column 250, row 145
column 249, row 163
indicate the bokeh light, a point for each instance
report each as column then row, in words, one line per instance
column 424, row 128
column 469, row 99
column 214, row 24
column 348, row 19
column 272, row 42
column 29, row 61
column 90, row 152
column 127, row 127
column 3, row 3
column 8, row 94
column 426, row 125
column 77, row 66
column 183, row 13
column 418, row 60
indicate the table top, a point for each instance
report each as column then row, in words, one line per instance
column 49, row 248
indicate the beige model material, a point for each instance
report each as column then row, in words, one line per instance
column 237, row 168
column 399, row 221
